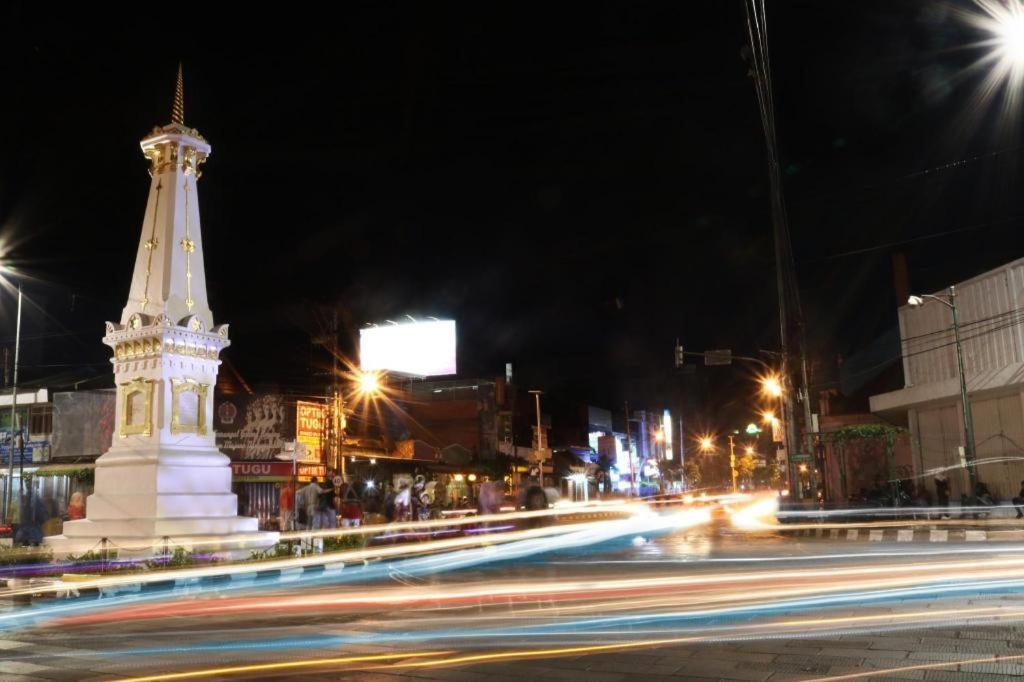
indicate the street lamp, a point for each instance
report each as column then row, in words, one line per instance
column 771, row 386
column 706, row 444
column 949, row 300
column 540, row 433
column 9, row 487
column 368, row 384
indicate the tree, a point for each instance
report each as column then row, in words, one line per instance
column 692, row 474
column 745, row 466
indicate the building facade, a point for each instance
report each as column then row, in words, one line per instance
column 991, row 311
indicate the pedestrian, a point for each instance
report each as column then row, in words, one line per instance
column 351, row 509
column 1018, row 502
column 305, row 508
column 286, row 507
column 983, row 497
column 942, row 494
column 308, row 497
column 389, row 503
column 403, row 503
column 326, row 514
column 243, row 500
column 76, row 507
column 32, row 516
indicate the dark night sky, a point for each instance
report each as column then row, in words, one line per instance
column 576, row 184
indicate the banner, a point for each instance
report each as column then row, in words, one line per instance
column 83, row 423
column 309, row 427
column 252, row 426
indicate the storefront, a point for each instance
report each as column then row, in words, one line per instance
column 258, row 486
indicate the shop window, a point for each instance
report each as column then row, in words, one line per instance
column 41, row 419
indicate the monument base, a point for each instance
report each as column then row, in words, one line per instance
column 233, row 538
column 152, row 502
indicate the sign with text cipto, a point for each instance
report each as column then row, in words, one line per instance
column 309, row 426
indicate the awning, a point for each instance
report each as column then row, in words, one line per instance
column 269, row 471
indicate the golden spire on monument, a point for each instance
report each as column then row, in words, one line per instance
column 178, row 109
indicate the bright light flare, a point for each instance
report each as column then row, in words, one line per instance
column 706, row 443
column 1008, row 28
column 771, row 385
column 368, row 383
column 1002, row 62
column 760, row 515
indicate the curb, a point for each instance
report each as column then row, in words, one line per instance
column 906, row 534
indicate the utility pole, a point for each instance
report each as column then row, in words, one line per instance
column 337, row 405
column 732, row 460
column 629, row 455
column 965, row 406
column 681, row 439
column 761, row 75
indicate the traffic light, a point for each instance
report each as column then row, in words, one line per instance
column 679, row 355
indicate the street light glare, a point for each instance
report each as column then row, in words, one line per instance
column 1009, row 30
column 772, row 386
column 368, row 383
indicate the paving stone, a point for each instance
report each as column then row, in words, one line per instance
column 886, row 654
column 721, row 672
column 990, row 632
column 818, row 660
column 952, row 676
column 995, row 667
column 900, row 675
column 646, row 668
column 777, row 667
column 986, row 646
column 936, row 656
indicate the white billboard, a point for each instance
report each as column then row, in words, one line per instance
column 421, row 349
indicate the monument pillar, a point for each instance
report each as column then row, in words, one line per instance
column 164, row 483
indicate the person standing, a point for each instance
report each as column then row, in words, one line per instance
column 1018, row 502
column 76, row 507
column 286, row 507
column 308, row 498
column 942, row 493
column 326, row 514
column 306, row 501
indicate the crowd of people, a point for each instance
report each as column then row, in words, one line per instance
column 320, row 504
column 906, row 493
column 40, row 515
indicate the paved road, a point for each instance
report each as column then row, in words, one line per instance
column 705, row 603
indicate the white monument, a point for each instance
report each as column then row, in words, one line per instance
column 163, row 483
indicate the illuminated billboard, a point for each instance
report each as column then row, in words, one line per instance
column 420, row 349
column 309, row 425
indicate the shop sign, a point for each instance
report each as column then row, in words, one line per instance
column 276, row 469
column 309, row 427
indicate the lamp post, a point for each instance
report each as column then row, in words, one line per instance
column 950, row 302
column 707, row 444
column 9, row 487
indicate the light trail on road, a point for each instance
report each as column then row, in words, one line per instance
column 471, row 601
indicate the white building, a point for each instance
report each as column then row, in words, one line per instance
column 991, row 308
